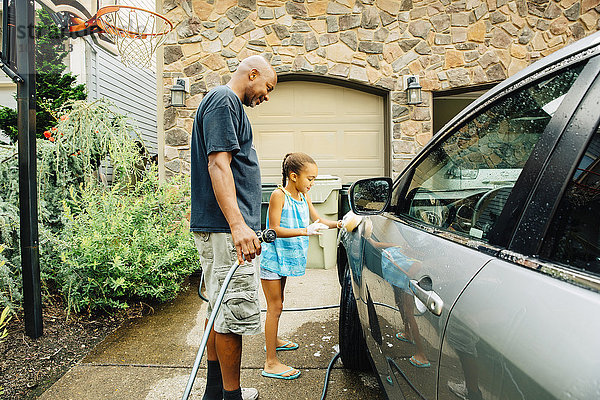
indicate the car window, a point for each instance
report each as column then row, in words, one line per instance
column 463, row 183
column 574, row 235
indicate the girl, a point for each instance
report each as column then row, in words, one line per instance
column 289, row 214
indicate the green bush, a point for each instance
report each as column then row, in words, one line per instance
column 10, row 288
column 121, row 245
column 100, row 246
column 67, row 160
column 4, row 320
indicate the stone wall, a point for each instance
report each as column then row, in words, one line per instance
column 449, row 44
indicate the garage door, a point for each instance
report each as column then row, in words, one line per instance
column 341, row 128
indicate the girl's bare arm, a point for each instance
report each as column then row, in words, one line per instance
column 314, row 215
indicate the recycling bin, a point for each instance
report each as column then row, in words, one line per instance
column 267, row 189
column 325, row 198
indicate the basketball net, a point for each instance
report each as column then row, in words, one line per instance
column 137, row 33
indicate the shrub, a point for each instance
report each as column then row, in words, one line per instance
column 125, row 244
column 100, row 246
column 67, row 160
column 4, row 320
column 10, row 291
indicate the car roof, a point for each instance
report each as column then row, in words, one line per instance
column 587, row 47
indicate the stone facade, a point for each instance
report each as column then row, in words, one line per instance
column 447, row 43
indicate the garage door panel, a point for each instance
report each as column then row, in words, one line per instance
column 272, row 145
column 362, row 145
column 320, row 145
column 341, row 128
column 316, row 100
column 356, row 103
column 280, row 104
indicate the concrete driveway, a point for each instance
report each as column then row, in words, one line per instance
column 150, row 358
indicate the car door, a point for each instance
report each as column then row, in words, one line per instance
column 527, row 325
column 442, row 227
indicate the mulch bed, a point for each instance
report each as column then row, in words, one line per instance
column 30, row 366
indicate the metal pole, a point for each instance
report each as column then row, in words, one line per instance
column 25, row 43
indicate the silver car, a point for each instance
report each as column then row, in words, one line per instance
column 476, row 273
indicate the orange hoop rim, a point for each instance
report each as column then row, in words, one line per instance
column 98, row 24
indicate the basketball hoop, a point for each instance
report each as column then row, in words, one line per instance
column 136, row 32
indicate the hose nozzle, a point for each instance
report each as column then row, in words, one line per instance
column 267, row 236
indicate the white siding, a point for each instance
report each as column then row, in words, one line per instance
column 132, row 90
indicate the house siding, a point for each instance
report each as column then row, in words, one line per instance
column 448, row 44
column 132, row 91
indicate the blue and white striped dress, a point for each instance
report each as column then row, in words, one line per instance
column 287, row 256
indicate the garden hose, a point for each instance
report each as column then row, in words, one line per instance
column 329, row 367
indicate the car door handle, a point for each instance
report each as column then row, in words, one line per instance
column 432, row 301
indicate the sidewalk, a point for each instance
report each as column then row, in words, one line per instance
column 151, row 358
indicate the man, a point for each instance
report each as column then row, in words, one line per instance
column 226, row 201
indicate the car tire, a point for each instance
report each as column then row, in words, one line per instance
column 342, row 263
column 353, row 347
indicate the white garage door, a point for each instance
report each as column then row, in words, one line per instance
column 342, row 129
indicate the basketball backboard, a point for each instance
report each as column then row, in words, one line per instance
column 84, row 9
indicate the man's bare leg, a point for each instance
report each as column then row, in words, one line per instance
column 229, row 352
column 211, row 351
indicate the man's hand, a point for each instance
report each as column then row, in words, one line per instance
column 246, row 243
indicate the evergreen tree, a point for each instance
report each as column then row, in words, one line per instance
column 54, row 87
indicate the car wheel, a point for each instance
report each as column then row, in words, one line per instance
column 353, row 348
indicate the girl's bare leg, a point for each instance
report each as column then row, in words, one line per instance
column 273, row 290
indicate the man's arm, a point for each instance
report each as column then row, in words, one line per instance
column 246, row 242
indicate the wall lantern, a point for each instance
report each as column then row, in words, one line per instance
column 178, row 91
column 413, row 91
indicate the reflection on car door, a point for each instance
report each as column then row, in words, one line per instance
column 436, row 238
column 409, row 337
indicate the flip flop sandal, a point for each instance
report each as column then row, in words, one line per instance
column 402, row 336
column 289, row 345
column 418, row 363
column 281, row 375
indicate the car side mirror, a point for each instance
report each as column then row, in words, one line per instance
column 370, row 196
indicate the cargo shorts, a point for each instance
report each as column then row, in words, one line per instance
column 240, row 310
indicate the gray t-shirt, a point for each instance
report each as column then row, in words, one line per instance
column 221, row 124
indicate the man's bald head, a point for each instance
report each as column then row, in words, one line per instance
column 253, row 80
column 258, row 63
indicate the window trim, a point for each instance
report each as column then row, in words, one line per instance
column 561, row 272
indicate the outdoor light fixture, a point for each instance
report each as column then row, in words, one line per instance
column 413, row 91
column 178, row 93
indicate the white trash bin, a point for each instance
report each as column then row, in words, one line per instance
column 324, row 195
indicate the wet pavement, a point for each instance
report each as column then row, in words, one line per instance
column 150, row 358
